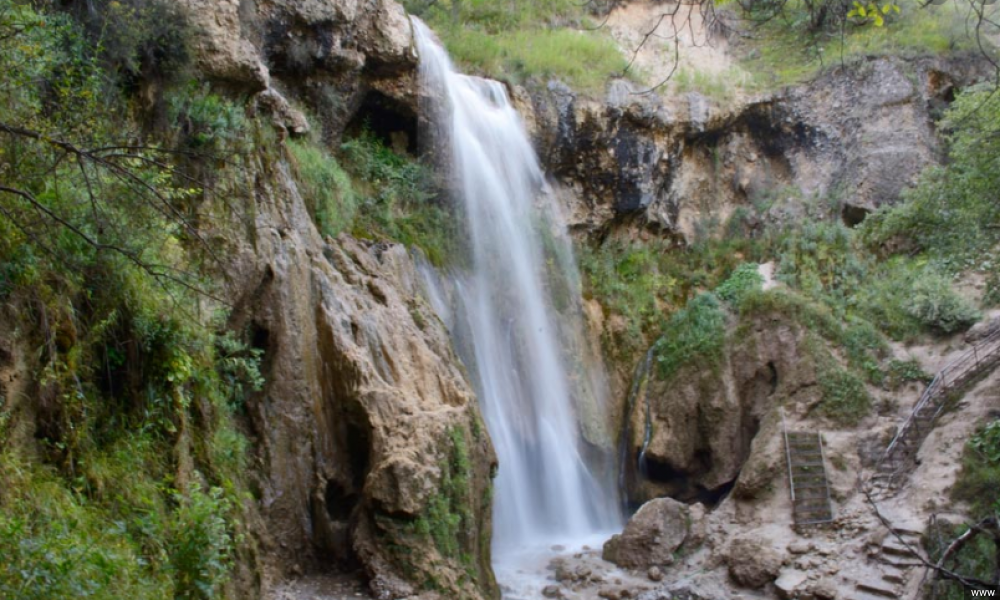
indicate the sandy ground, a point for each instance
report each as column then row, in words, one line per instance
column 328, row 586
column 646, row 32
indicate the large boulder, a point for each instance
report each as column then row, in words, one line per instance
column 753, row 561
column 652, row 535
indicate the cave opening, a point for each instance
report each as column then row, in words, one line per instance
column 391, row 122
column 682, row 485
column 339, row 501
column 853, row 215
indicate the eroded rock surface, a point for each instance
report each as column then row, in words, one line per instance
column 652, row 535
column 708, row 418
column 368, row 436
column 857, row 137
column 753, row 562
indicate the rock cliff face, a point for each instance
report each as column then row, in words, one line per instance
column 369, row 446
column 346, row 60
column 854, row 139
column 704, row 421
column 368, row 437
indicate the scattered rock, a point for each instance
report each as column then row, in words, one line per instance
column 800, row 547
column 655, row 574
column 651, row 536
column 788, row 583
column 752, row 562
column 552, row 591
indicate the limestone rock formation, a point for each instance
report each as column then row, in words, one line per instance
column 651, row 536
column 707, row 418
column 753, row 562
column 368, row 436
column 341, row 58
column 857, row 137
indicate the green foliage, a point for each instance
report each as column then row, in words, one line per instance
column 806, row 37
column 199, row 543
column 936, row 305
column 207, row 122
column 696, row 333
column 98, row 254
column 448, row 514
column 137, row 40
column 397, row 200
column 325, row 187
column 523, row 39
column 987, row 443
column 238, row 365
column 979, row 479
column 975, row 559
column 955, row 198
column 627, row 280
column 56, row 545
column 745, row 279
column 976, row 485
column 900, row 372
column 845, row 399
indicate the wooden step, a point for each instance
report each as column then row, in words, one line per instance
column 878, row 589
column 894, row 547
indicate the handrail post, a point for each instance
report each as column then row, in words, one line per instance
column 788, row 454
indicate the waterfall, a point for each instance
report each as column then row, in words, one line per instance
column 503, row 314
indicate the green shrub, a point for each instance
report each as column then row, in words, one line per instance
column 397, row 199
column 951, row 214
column 325, row 187
column 936, row 305
column 207, row 122
column 199, row 543
column 979, row 479
column 845, row 400
column 900, row 372
column 695, row 333
column 745, row 278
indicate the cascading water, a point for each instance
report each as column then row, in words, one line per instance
column 505, row 316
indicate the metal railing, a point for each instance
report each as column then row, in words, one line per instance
column 896, row 460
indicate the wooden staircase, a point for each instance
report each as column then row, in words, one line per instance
column 899, row 457
column 807, row 477
column 888, row 575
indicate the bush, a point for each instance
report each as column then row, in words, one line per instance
column 325, row 187
column 937, row 306
column 845, row 399
column 397, row 199
column 199, row 543
column 745, row 279
column 698, row 332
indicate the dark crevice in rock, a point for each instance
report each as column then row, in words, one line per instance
column 392, row 122
column 853, row 215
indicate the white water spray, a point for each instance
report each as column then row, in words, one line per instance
column 545, row 492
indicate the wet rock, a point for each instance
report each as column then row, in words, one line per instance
column 752, row 561
column 651, row 536
column 374, row 403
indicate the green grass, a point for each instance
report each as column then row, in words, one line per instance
column 523, row 40
column 785, row 52
column 695, row 333
column 583, row 60
column 326, row 188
